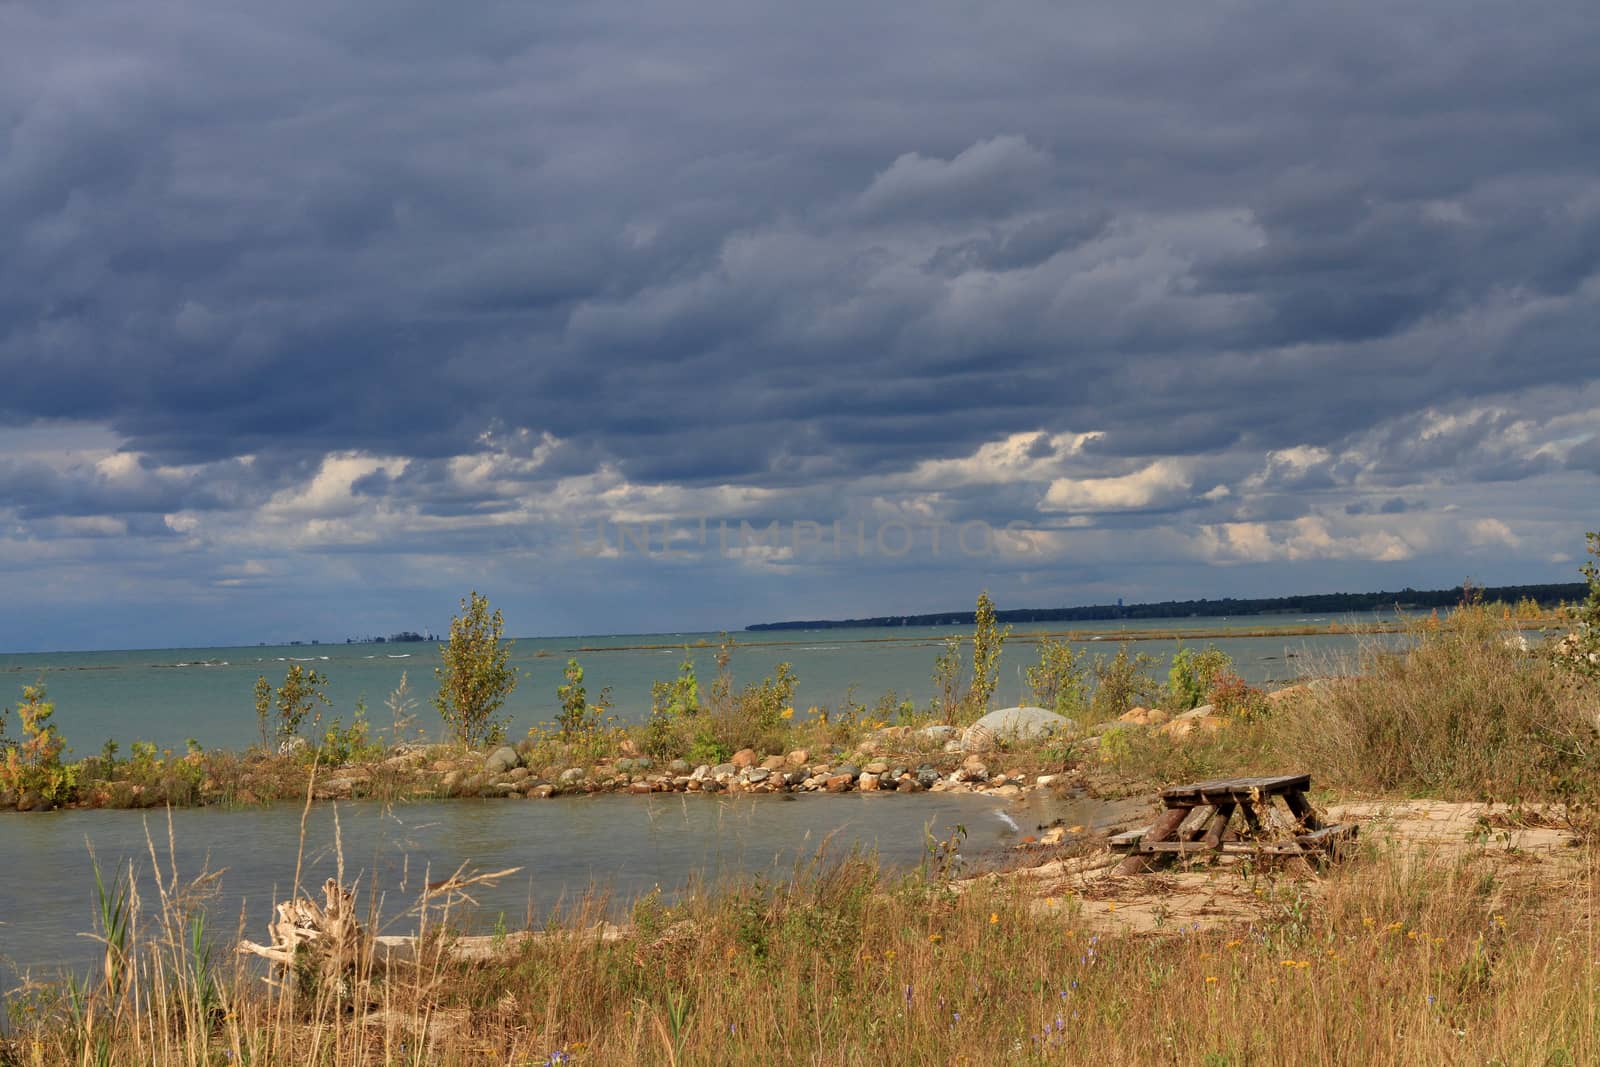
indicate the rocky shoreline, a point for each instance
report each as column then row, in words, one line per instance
column 1004, row 753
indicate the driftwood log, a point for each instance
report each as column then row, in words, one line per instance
column 318, row 943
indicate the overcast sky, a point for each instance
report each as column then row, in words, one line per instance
column 313, row 317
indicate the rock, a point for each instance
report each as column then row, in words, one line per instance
column 745, row 757
column 1137, row 716
column 907, row 784
column 1157, row 717
column 1046, row 779
column 641, row 788
column 1288, row 693
column 1053, row 836
column 1185, row 725
column 938, row 735
column 850, row 770
column 1015, row 724
column 927, row 776
column 723, row 771
column 679, row 767
column 542, row 791
column 799, row 757
column 451, row 782
column 877, row 767
column 501, row 760
column 519, row 774
column 32, row 801
column 774, row 763
column 628, row 747
column 868, row 782
column 971, row 771
column 838, row 783
column 1008, row 791
column 571, row 776
column 700, row 773
column 757, row 774
column 336, row 789
column 1195, row 713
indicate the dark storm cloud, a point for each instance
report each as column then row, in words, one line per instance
column 257, row 231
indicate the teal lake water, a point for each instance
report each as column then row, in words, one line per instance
column 167, row 696
column 625, row 844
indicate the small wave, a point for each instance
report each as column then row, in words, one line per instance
column 1008, row 820
column 402, row 655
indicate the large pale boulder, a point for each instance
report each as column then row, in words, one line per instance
column 1012, row 725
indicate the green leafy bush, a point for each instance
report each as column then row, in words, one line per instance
column 32, row 764
column 300, row 694
column 1060, row 680
column 1192, row 675
column 476, row 677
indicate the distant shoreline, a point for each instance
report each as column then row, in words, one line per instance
column 1311, row 604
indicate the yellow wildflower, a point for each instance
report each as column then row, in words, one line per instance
column 994, row 918
column 1210, row 979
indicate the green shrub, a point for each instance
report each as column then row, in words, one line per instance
column 32, row 764
column 476, row 678
column 1060, row 680
column 1192, row 675
column 300, row 694
column 1120, row 682
column 672, row 705
column 987, row 642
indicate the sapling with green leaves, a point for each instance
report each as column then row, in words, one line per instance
column 476, row 677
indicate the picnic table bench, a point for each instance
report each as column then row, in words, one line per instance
column 1206, row 817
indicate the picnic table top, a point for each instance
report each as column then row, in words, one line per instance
column 1235, row 788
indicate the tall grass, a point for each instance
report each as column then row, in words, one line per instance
column 1395, row 959
column 1465, row 711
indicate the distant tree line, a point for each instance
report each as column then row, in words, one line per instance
column 1311, row 604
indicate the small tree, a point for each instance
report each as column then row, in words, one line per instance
column 1191, row 676
column 34, row 761
column 671, row 703
column 1590, row 612
column 1121, row 681
column 987, row 641
column 1588, row 631
column 302, row 691
column 947, row 680
column 476, row 678
column 1060, row 680
column 578, row 717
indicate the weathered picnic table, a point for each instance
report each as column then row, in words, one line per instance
column 1202, row 818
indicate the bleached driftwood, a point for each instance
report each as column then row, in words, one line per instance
column 307, row 938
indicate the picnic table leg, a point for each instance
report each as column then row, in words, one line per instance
column 1302, row 809
column 1218, row 825
column 1162, row 829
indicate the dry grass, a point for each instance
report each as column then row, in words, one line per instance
column 1397, row 957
